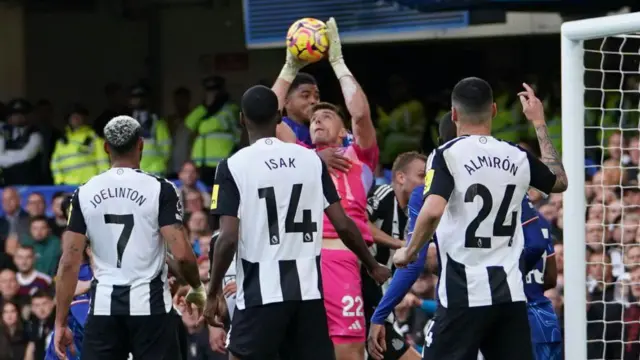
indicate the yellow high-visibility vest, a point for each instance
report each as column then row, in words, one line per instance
column 157, row 148
column 78, row 156
column 216, row 134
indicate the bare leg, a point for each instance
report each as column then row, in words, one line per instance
column 349, row 351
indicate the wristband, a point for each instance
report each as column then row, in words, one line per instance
column 288, row 73
column 340, row 69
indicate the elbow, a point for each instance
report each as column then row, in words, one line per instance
column 433, row 214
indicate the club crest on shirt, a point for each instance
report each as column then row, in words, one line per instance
column 214, row 196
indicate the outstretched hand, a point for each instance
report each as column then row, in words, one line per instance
column 531, row 106
column 335, row 46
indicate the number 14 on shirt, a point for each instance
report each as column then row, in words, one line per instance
column 307, row 227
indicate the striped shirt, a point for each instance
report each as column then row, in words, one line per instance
column 480, row 238
column 279, row 192
column 387, row 215
column 112, row 208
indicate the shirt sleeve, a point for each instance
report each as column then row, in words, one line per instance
column 438, row 179
column 171, row 210
column 373, row 203
column 542, row 178
column 225, row 196
column 328, row 187
column 369, row 156
column 75, row 219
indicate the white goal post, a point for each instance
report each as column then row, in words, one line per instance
column 573, row 36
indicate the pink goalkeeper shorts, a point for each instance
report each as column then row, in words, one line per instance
column 342, row 288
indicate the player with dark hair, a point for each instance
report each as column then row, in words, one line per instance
column 131, row 308
column 481, row 299
column 279, row 308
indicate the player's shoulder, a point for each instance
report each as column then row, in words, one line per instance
column 382, row 192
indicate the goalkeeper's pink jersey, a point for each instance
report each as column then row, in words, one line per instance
column 353, row 187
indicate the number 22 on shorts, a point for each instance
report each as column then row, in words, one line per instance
column 348, row 304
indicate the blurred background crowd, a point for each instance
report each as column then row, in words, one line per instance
column 48, row 147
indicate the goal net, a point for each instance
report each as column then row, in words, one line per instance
column 601, row 208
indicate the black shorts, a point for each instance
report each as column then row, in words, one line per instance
column 151, row 337
column 288, row 330
column 500, row 332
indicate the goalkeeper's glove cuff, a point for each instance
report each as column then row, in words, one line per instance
column 288, row 72
column 340, row 68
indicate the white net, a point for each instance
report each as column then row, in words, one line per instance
column 612, row 113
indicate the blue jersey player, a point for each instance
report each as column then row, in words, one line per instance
column 77, row 315
column 545, row 329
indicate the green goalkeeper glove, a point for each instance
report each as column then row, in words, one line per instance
column 291, row 67
column 335, row 50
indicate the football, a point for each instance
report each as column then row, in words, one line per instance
column 307, row 39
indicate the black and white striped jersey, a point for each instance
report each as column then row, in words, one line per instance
column 121, row 211
column 479, row 238
column 387, row 215
column 279, row 192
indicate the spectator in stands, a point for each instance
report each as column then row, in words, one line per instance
column 597, row 236
column 215, row 126
column 197, row 336
column 613, row 211
column 18, row 219
column 14, row 327
column 59, row 221
column 36, row 205
column 601, row 281
column 116, row 105
column 615, row 144
column 198, row 226
column 45, row 245
column 204, row 242
column 632, row 258
column 203, row 268
column 188, row 176
column 193, row 201
column 181, row 136
column 79, row 154
column 20, row 147
column 595, row 213
column 633, row 167
column 43, row 119
column 9, row 288
column 155, row 132
column 29, row 279
column 631, row 197
column 40, row 324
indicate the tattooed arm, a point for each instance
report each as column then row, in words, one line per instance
column 551, row 158
column 542, row 179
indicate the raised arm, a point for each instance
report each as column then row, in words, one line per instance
column 534, row 112
column 354, row 97
column 291, row 67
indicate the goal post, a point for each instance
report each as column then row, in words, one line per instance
column 573, row 37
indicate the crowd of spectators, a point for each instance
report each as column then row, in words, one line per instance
column 30, row 239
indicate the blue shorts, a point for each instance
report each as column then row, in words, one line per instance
column 547, row 351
